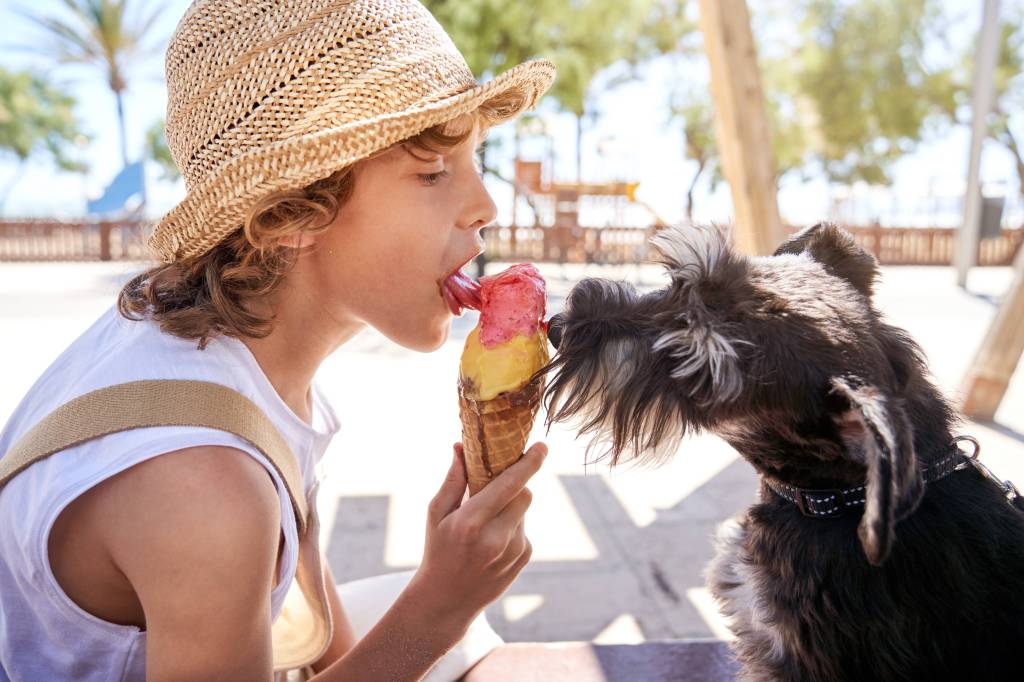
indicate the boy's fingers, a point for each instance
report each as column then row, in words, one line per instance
column 511, row 517
column 503, row 489
column 449, row 497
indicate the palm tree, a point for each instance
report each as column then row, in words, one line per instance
column 100, row 34
column 36, row 117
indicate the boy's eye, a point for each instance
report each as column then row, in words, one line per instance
column 432, row 178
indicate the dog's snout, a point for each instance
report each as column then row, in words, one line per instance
column 555, row 330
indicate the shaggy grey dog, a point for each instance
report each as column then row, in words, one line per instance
column 876, row 551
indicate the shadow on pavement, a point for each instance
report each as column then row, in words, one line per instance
column 642, row 572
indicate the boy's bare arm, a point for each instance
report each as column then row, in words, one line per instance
column 474, row 550
column 196, row 534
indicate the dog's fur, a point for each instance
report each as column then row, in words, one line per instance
column 787, row 359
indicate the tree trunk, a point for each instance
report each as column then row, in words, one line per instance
column 1005, row 136
column 120, row 120
column 689, row 191
column 481, row 260
column 579, row 147
column 515, row 178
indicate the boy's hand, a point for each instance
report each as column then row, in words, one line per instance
column 474, row 550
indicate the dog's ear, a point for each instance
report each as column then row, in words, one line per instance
column 690, row 252
column 695, row 334
column 834, row 248
column 877, row 433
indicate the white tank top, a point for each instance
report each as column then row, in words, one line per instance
column 43, row 634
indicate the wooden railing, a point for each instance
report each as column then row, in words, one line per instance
column 932, row 245
column 890, row 245
column 55, row 240
column 52, row 240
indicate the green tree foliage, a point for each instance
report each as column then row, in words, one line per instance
column 157, row 151
column 35, row 118
column 697, row 116
column 101, row 34
column 852, row 92
column 862, row 67
column 695, row 110
column 581, row 38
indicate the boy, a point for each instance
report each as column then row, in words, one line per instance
column 328, row 151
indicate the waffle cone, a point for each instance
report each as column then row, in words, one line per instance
column 494, row 432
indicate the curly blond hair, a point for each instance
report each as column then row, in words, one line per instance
column 202, row 297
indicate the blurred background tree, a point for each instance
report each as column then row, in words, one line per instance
column 1008, row 107
column 156, row 150
column 582, row 39
column 852, row 93
column 36, row 118
column 107, row 35
column 864, row 70
column 699, row 140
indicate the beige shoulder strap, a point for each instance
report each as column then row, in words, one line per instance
column 164, row 402
column 303, row 630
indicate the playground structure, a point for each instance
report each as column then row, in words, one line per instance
column 572, row 222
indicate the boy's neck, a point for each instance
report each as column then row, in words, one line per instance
column 299, row 342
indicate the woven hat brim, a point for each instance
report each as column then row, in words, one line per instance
column 216, row 208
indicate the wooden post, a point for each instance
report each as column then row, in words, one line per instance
column 105, row 229
column 993, row 366
column 741, row 125
column 966, row 254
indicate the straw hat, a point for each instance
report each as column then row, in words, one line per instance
column 267, row 96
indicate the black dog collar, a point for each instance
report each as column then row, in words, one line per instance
column 830, row 503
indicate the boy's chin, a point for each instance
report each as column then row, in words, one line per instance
column 427, row 338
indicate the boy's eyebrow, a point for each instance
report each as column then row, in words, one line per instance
column 430, row 155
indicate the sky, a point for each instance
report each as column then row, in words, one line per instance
column 632, row 139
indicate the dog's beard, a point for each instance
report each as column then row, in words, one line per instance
column 615, row 395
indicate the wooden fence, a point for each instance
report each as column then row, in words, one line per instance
column 890, row 245
column 49, row 240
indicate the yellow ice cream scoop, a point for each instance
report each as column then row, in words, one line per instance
column 497, row 400
column 503, row 367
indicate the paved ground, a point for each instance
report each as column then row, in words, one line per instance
column 618, row 556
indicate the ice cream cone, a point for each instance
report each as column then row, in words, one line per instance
column 495, row 431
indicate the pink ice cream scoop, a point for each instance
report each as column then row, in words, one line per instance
column 511, row 302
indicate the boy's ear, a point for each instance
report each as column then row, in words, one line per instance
column 298, row 240
column 877, row 434
column 835, row 248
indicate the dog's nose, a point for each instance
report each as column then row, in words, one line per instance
column 555, row 330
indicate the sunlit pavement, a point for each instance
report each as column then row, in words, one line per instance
column 618, row 556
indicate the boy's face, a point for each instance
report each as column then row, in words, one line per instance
column 409, row 223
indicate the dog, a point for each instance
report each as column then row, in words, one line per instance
column 876, row 551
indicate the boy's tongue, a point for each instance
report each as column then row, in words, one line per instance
column 461, row 291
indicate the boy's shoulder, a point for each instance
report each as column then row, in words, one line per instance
column 223, row 498
column 204, row 518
